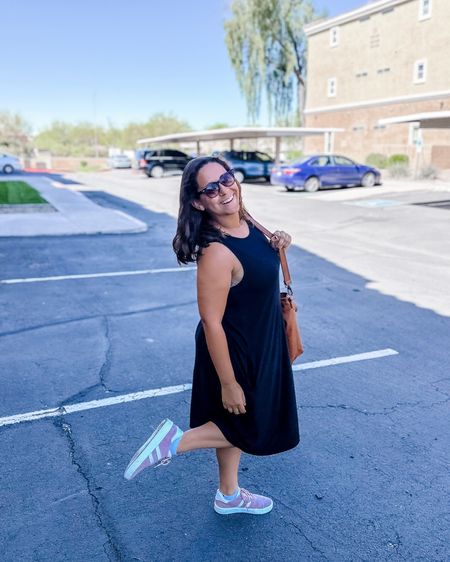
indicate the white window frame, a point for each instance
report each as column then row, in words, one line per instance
column 416, row 78
column 331, row 87
column 334, row 36
column 422, row 14
column 414, row 134
column 328, row 142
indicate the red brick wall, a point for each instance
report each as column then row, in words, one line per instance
column 362, row 135
column 440, row 156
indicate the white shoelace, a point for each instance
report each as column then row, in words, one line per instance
column 247, row 496
column 164, row 461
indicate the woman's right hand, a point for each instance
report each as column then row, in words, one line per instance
column 233, row 398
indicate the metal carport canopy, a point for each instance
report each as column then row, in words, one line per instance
column 240, row 133
column 429, row 120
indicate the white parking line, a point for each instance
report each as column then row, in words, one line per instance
column 93, row 275
column 345, row 359
column 71, row 408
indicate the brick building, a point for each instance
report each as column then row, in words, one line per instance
column 385, row 59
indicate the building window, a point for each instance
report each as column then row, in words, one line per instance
column 334, row 36
column 424, row 9
column 382, row 70
column 328, row 142
column 361, row 74
column 332, row 87
column 420, row 71
column 415, row 134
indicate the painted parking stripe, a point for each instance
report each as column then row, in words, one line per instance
column 122, row 399
column 374, row 203
column 345, row 359
column 72, row 408
column 94, row 275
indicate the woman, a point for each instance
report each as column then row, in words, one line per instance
column 243, row 393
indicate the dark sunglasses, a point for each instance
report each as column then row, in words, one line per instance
column 212, row 189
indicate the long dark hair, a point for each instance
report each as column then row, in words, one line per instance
column 194, row 229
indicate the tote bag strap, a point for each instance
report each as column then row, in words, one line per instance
column 284, row 264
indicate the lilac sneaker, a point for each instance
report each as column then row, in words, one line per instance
column 245, row 502
column 156, row 450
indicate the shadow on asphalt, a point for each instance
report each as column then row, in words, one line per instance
column 369, row 480
column 137, row 211
column 53, row 176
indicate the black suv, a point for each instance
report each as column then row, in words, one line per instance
column 155, row 162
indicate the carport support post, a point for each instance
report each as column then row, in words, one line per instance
column 277, row 149
column 231, row 144
column 328, row 142
column 198, row 148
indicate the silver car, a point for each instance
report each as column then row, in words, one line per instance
column 119, row 161
column 9, row 164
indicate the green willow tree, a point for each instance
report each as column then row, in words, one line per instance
column 267, row 47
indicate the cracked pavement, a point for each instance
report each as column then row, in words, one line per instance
column 368, row 482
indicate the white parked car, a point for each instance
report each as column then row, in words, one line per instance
column 119, row 161
column 9, row 164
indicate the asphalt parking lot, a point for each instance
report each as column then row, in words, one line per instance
column 96, row 347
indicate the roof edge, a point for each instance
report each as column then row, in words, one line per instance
column 239, row 133
column 377, row 102
column 415, row 117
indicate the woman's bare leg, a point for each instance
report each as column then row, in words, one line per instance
column 207, row 436
column 228, row 469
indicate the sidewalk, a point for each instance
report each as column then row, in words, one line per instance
column 76, row 214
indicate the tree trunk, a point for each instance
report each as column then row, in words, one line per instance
column 300, row 97
column 300, row 102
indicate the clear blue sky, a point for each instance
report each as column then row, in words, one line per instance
column 121, row 61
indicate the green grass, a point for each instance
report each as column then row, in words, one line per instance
column 18, row 193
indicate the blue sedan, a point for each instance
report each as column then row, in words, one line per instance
column 324, row 170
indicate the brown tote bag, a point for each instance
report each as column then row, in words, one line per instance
column 288, row 306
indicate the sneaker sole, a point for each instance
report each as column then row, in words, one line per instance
column 232, row 510
column 141, row 454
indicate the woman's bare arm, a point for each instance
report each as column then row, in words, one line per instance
column 214, row 273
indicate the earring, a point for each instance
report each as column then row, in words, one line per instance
column 198, row 206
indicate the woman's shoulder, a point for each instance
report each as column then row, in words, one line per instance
column 216, row 254
column 214, row 250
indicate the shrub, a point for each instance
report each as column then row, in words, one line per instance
column 398, row 171
column 294, row 155
column 85, row 166
column 429, row 172
column 377, row 160
column 398, row 159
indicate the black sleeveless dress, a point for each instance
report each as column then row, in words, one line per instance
column 253, row 324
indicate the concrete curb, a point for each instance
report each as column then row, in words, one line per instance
column 76, row 214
